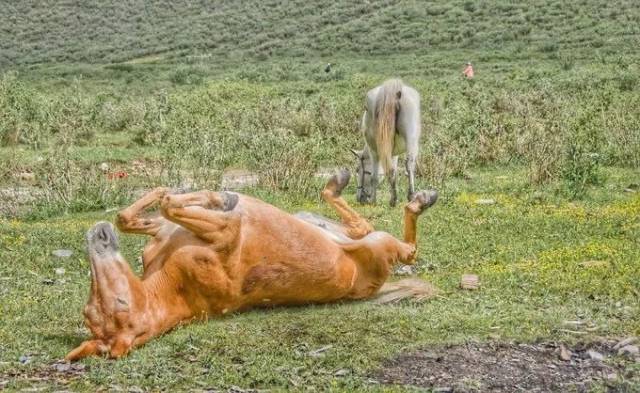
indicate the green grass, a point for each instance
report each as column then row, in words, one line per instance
column 225, row 31
column 527, row 250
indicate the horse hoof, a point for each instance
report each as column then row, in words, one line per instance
column 339, row 180
column 424, row 199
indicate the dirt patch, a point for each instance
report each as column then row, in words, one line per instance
column 508, row 367
column 59, row 373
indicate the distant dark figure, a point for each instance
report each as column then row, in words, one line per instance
column 468, row 71
column 327, row 68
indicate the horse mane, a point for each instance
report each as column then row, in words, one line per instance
column 386, row 108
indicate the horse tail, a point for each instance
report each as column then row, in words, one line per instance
column 387, row 106
column 409, row 288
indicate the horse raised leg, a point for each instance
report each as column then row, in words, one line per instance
column 421, row 201
column 209, row 215
column 356, row 226
column 130, row 220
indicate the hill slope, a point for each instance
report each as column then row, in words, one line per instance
column 113, row 31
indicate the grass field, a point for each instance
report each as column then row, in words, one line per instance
column 529, row 250
column 182, row 93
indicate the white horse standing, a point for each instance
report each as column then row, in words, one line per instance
column 391, row 126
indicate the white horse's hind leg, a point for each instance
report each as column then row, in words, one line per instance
column 374, row 176
column 393, row 175
column 411, row 126
column 411, row 170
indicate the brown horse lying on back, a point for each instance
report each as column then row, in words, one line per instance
column 217, row 252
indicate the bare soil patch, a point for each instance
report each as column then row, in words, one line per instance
column 510, row 367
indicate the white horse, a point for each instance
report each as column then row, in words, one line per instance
column 391, row 126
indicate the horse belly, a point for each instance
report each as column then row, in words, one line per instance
column 307, row 268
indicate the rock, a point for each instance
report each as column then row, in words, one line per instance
column 595, row 355
column 405, row 270
column 629, row 351
column 104, row 167
column 611, row 376
column 342, row 372
column 442, row 389
column 62, row 253
column 469, row 281
column 487, row 201
column 565, row 354
column 48, row 281
column 60, row 271
column 625, row 342
column 24, row 359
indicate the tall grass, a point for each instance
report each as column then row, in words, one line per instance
column 562, row 131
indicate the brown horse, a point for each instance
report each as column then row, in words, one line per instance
column 212, row 253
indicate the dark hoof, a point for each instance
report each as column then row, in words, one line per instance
column 424, row 199
column 102, row 239
column 230, row 200
column 339, row 180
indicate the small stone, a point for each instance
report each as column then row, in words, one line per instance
column 625, row 342
column 62, row 253
column 629, row 350
column 48, row 281
column 104, row 167
column 611, row 376
column 487, row 201
column 443, row 389
column 405, row 270
column 595, row 355
column 24, row 359
column 60, row 271
column 341, row 373
column 469, row 281
column 565, row 354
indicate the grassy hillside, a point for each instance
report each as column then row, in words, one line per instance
column 228, row 31
column 180, row 94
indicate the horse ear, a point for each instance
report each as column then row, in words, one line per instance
column 356, row 153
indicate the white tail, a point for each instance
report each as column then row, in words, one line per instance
column 386, row 109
